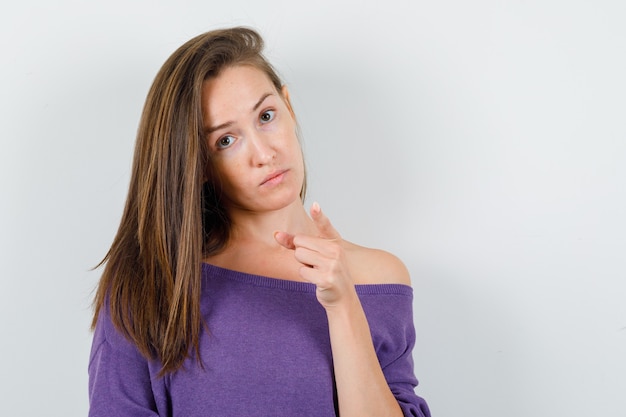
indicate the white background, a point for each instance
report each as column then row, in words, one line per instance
column 483, row 142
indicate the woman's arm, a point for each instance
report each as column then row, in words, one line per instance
column 361, row 386
column 119, row 377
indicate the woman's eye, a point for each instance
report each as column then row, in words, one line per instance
column 267, row 116
column 225, row 142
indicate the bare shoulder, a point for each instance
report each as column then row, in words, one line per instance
column 375, row 266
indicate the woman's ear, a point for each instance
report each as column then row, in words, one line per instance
column 285, row 93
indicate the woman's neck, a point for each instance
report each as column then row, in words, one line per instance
column 259, row 227
column 252, row 247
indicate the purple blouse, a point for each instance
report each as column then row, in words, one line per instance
column 266, row 353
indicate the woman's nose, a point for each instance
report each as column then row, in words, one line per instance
column 262, row 150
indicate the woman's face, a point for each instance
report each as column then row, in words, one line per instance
column 251, row 132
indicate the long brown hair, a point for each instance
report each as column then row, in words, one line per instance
column 173, row 215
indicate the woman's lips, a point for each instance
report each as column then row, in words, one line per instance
column 275, row 177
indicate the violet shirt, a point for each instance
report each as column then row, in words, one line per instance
column 266, row 353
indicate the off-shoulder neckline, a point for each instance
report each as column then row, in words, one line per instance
column 210, row 270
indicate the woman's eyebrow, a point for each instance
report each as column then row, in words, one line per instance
column 210, row 130
column 258, row 104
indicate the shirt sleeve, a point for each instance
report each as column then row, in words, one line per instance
column 119, row 377
column 390, row 317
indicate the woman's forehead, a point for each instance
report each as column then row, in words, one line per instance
column 237, row 80
column 236, row 90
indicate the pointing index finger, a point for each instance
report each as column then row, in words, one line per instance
column 323, row 223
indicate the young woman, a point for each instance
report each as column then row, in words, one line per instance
column 221, row 295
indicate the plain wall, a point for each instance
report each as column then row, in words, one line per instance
column 482, row 142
